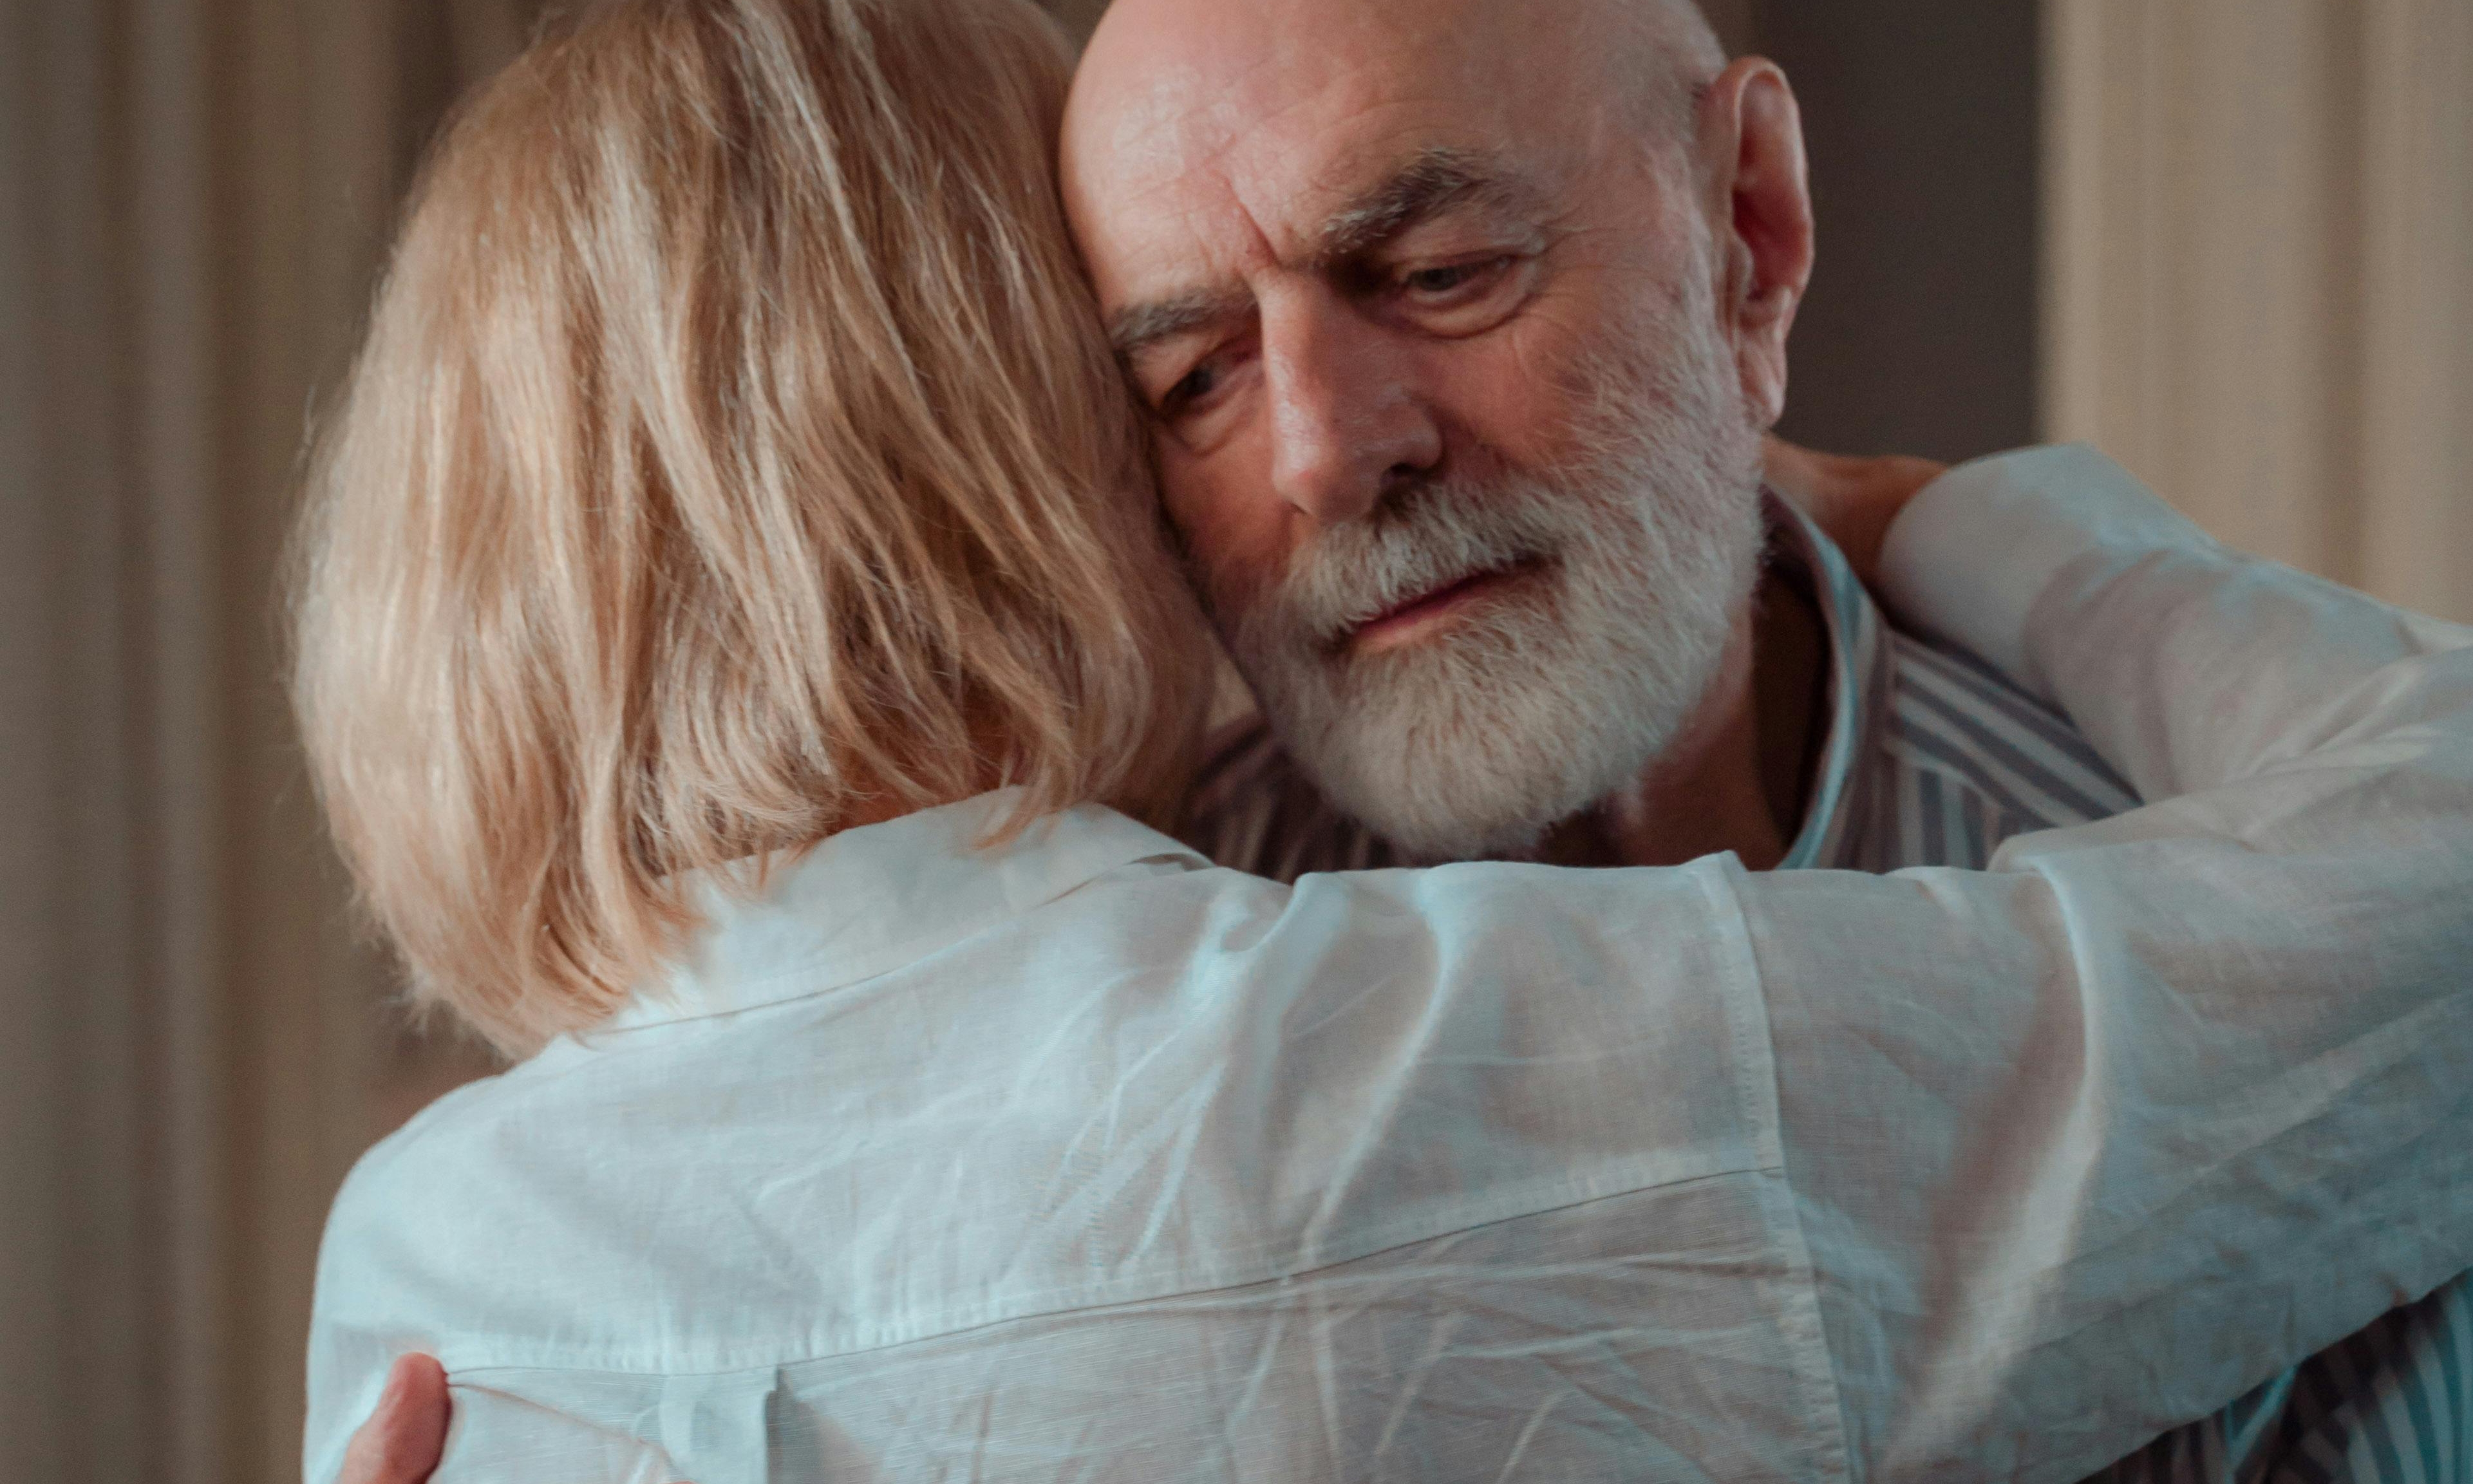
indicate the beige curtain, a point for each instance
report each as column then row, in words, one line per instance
column 192, row 196
column 2259, row 271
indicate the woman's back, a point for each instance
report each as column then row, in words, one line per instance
column 1083, row 1160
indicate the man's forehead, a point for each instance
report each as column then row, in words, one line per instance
column 1203, row 173
column 1195, row 72
column 1257, row 198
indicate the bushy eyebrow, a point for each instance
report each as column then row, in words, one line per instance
column 1434, row 182
column 1137, row 327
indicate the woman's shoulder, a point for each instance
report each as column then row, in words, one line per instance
column 486, row 1194
column 435, row 1144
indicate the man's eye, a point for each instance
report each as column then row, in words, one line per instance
column 1439, row 280
column 1197, row 384
column 1450, row 278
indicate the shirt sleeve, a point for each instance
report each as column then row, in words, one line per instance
column 2085, row 1145
column 2187, row 664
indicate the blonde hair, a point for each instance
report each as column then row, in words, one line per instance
column 735, row 457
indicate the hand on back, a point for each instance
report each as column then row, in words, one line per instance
column 401, row 1442
column 1851, row 499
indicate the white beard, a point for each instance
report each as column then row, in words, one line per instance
column 1539, row 701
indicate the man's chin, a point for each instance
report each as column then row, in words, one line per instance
column 1445, row 786
column 1440, row 837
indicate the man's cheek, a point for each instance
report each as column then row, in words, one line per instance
column 1518, row 392
column 1228, row 547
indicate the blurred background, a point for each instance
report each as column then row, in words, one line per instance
column 2230, row 241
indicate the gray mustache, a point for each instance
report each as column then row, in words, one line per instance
column 1356, row 573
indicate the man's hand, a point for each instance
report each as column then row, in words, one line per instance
column 1852, row 500
column 401, row 1442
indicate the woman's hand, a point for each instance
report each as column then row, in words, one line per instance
column 1852, row 501
column 401, row 1442
column 405, row 1437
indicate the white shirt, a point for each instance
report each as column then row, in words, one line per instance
column 1082, row 1160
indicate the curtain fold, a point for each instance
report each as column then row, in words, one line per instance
column 2259, row 273
column 193, row 198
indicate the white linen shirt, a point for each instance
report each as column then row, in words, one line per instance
column 1079, row 1158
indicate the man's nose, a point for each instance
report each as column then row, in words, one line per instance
column 1346, row 420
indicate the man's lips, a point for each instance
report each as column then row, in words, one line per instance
column 1402, row 622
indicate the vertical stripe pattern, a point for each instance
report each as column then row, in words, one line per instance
column 2392, row 1404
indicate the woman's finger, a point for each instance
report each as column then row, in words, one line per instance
column 401, row 1442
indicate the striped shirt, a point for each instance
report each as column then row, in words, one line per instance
column 1933, row 759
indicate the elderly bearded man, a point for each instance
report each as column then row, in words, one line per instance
column 1459, row 333
column 1458, row 321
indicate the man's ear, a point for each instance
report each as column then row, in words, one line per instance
column 1760, row 205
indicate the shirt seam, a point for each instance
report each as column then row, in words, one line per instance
column 1204, row 1291
column 1798, row 1310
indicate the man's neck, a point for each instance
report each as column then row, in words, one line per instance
column 1739, row 775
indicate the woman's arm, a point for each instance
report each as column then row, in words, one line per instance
column 2187, row 665
column 2158, row 1105
column 1853, row 499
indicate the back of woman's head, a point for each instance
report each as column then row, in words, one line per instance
column 734, row 456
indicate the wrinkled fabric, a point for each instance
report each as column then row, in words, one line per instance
column 1082, row 1160
column 2392, row 1404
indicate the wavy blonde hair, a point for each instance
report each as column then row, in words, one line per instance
column 735, row 457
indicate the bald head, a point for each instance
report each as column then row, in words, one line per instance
column 1648, row 57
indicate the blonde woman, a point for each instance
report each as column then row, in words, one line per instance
column 739, row 662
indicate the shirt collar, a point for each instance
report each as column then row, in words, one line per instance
column 1857, row 679
column 872, row 899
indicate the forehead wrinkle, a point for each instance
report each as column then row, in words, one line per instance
column 1207, row 189
column 1162, row 316
column 1437, row 179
